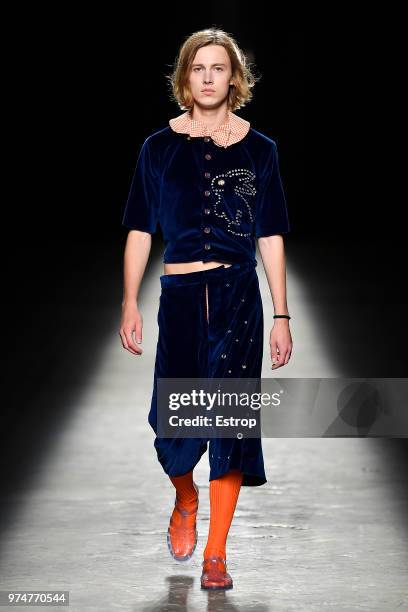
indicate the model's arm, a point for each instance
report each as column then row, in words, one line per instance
column 272, row 251
column 135, row 258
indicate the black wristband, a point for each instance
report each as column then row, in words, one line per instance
column 281, row 317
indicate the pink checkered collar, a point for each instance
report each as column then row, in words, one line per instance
column 230, row 132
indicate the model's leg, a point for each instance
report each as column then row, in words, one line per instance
column 186, row 496
column 182, row 534
column 235, row 351
column 224, row 494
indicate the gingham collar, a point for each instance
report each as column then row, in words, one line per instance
column 230, row 132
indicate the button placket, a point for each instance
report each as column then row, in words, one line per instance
column 206, row 194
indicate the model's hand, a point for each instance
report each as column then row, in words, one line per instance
column 281, row 343
column 132, row 322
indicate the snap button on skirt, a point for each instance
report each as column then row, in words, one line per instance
column 210, row 325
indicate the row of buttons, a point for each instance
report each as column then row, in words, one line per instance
column 229, row 331
column 207, row 193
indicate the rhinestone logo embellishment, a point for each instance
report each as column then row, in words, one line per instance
column 241, row 180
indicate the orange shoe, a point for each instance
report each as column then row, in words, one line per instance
column 182, row 541
column 215, row 575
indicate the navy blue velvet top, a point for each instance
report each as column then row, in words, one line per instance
column 211, row 202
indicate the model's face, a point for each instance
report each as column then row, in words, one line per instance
column 211, row 69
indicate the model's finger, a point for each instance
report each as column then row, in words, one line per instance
column 123, row 338
column 285, row 357
column 138, row 333
column 274, row 353
column 131, row 346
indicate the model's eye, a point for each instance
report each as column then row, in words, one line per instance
column 199, row 68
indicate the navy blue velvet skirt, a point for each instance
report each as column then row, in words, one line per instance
column 210, row 325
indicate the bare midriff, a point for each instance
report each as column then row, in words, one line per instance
column 192, row 266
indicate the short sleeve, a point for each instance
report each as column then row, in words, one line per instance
column 271, row 207
column 142, row 206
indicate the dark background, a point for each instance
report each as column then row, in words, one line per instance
column 88, row 88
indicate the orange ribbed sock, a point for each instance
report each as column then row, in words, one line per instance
column 186, row 496
column 224, row 493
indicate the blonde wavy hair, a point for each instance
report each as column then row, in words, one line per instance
column 242, row 70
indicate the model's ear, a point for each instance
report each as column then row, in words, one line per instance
column 142, row 206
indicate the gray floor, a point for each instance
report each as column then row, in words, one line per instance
column 327, row 532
